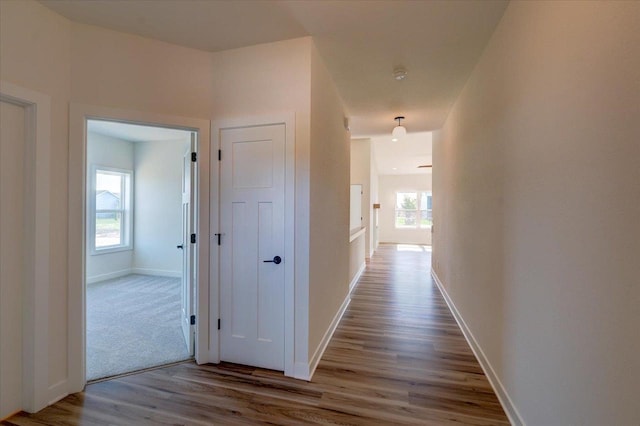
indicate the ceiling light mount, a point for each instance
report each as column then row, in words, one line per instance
column 400, row 73
column 399, row 131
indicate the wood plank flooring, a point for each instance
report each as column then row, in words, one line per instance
column 397, row 357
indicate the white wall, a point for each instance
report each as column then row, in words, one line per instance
column 283, row 77
column 360, row 169
column 542, row 150
column 123, row 71
column 108, row 152
column 329, row 204
column 356, row 258
column 264, row 79
column 355, row 208
column 158, row 207
column 360, row 174
column 46, row 52
column 365, row 172
column 35, row 46
column 388, row 186
column 85, row 64
column 374, row 198
column 120, row 70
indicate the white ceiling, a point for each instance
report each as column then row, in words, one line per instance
column 403, row 157
column 212, row 25
column 438, row 41
column 135, row 132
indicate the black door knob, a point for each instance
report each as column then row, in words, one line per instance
column 277, row 260
column 180, row 246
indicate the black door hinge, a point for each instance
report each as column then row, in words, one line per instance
column 193, row 238
column 218, row 235
column 219, row 155
column 192, row 320
column 218, row 323
column 194, row 156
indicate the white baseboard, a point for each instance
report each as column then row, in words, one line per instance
column 357, row 276
column 507, row 404
column 108, row 276
column 305, row 371
column 413, row 243
column 157, row 272
column 57, row 391
column 301, row 371
column 141, row 271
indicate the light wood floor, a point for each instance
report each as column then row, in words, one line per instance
column 397, row 357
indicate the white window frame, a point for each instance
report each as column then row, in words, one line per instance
column 126, row 210
column 417, row 209
column 429, row 194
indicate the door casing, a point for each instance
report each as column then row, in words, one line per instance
column 79, row 114
column 38, row 392
column 289, row 253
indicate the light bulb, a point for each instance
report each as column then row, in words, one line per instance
column 398, row 133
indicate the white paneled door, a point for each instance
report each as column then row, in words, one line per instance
column 252, row 185
column 188, row 247
column 12, row 255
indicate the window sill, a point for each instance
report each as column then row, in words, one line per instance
column 95, row 252
column 412, row 228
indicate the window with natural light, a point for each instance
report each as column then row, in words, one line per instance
column 413, row 210
column 112, row 224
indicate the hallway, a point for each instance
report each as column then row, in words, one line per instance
column 397, row 357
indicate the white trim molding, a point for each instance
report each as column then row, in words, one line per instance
column 506, row 402
column 78, row 116
column 322, row 346
column 127, row 209
column 354, row 281
column 108, row 276
column 157, row 272
column 142, row 271
column 35, row 320
column 57, row 392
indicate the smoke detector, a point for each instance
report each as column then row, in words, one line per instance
column 400, row 73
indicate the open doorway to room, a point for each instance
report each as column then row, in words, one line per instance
column 391, row 198
column 404, row 189
column 140, row 263
column 395, row 181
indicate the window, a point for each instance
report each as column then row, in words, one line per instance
column 426, row 210
column 414, row 210
column 112, row 202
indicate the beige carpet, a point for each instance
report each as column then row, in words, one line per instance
column 133, row 323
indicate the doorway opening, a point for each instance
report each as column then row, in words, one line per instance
column 140, row 258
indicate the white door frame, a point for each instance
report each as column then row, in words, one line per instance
column 35, row 321
column 78, row 116
column 288, row 119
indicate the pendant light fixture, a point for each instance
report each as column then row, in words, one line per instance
column 399, row 131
